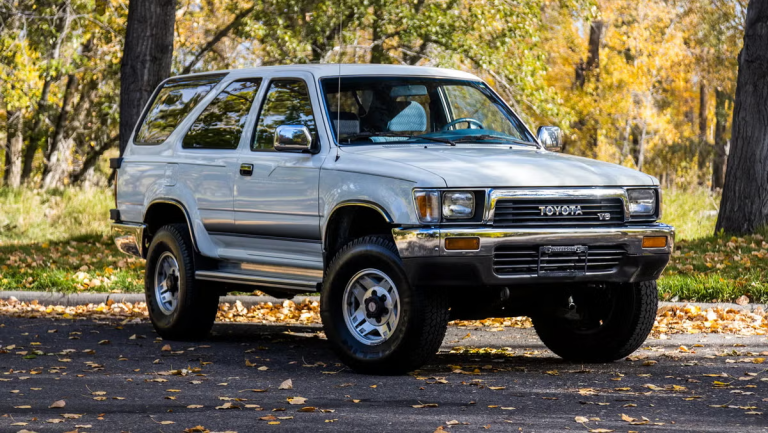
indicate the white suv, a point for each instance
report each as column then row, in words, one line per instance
column 406, row 196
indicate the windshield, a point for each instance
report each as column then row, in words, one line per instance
column 417, row 109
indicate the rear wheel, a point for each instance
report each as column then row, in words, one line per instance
column 376, row 322
column 179, row 307
column 600, row 325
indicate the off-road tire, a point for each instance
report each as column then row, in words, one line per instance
column 625, row 328
column 193, row 317
column 423, row 314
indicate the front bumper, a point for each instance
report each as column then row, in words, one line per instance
column 428, row 263
column 129, row 238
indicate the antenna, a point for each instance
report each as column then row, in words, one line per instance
column 338, row 90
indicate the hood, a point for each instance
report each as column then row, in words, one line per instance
column 497, row 166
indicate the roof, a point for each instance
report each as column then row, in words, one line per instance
column 348, row 69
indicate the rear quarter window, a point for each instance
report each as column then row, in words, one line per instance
column 172, row 103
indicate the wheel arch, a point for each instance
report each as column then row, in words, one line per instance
column 352, row 219
column 164, row 211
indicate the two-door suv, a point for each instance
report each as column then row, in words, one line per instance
column 406, row 196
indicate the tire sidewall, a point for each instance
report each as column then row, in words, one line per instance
column 165, row 241
column 613, row 340
column 350, row 262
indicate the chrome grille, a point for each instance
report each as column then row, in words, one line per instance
column 524, row 260
column 518, row 212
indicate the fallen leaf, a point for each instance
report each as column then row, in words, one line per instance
column 57, row 404
column 166, row 348
column 194, row 406
column 288, row 384
column 296, row 400
column 581, row 419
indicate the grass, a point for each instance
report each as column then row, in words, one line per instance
column 59, row 241
column 692, row 212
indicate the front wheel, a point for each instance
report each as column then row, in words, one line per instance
column 376, row 322
column 179, row 307
column 600, row 325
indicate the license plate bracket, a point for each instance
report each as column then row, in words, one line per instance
column 562, row 260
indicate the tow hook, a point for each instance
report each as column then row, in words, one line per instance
column 569, row 313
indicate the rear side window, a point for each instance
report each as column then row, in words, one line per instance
column 220, row 125
column 286, row 103
column 171, row 105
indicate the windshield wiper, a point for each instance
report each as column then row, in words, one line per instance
column 389, row 134
column 492, row 137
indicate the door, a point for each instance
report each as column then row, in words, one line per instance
column 276, row 193
column 209, row 153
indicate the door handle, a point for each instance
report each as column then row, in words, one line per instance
column 246, row 169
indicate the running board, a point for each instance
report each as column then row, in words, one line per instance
column 297, row 286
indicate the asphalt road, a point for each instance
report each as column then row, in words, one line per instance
column 112, row 383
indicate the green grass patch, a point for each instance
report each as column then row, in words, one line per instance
column 718, row 268
column 86, row 263
column 32, row 216
column 692, row 212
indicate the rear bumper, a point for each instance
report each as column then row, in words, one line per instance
column 129, row 238
column 428, row 263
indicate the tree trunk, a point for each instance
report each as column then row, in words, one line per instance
column 744, row 208
column 720, row 157
column 91, row 160
column 37, row 135
column 377, row 50
column 14, row 143
column 703, row 144
column 703, row 113
column 57, row 157
column 147, row 56
column 641, row 147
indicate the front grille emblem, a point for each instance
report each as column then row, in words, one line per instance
column 604, row 216
column 560, row 210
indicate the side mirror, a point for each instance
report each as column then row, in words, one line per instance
column 293, row 138
column 551, row 137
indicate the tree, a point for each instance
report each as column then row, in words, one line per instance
column 744, row 208
column 147, row 58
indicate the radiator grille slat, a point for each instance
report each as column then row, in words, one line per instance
column 523, row 212
column 524, row 260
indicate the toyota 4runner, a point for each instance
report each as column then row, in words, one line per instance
column 406, row 196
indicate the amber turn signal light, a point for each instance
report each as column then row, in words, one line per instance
column 471, row 244
column 654, row 241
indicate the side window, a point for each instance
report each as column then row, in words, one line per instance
column 220, row 125
column 287, row 103
column 171, row 105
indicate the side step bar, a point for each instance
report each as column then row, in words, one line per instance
column 297, row 286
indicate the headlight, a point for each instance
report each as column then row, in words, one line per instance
column 458, row 204
column 427, row 206
column 642, row 202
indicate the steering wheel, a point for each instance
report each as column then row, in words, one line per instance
column 469, row 121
